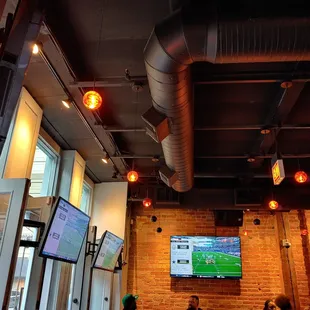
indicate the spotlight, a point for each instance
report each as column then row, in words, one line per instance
column 251, row 159
column 245, row 232
column 35, row 49
column 66, row 103
column 114, row 175
column 159, row 230
column 153, row 219
column 155, row 159
column 105, row 159
column 265, row 131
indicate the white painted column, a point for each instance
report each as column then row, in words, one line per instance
column 18, row 153
column 109, row 213
column 71, row 178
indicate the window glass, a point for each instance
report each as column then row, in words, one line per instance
column 44, row 170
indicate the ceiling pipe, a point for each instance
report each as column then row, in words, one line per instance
column 195, row 34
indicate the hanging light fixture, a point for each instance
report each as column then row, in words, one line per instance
column 147, row 202
column 273, row 204
column 301, row 176
column 132, row 176
column 92, row 100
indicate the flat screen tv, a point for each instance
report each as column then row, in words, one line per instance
column 205, row 257
column 108, row 251
column 65, row 233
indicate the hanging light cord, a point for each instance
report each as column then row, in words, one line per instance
column 99, row 40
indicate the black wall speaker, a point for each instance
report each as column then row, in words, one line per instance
column 228, row 218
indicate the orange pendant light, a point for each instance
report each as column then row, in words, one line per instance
column 92, row 100
column 132, row 176
column 147, row 202
column 301, row 177
column 273, row 205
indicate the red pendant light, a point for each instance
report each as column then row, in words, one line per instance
column 273, row 204
column 92, row 100
column 132, row 176
column 147, row 202
column 301, row 176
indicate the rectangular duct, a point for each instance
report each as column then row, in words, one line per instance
column 251, row 197
column 157, row 125
column 228, row 218
column 168, row 176
column 167, row 196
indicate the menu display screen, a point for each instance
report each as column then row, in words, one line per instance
column 65, row 233
column 108, row 251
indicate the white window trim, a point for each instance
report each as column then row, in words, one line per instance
column 48, row 149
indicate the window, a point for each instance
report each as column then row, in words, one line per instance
column 86, row 198
column 43, row 183
column 44, row 170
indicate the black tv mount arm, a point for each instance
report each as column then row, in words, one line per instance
column 90, row 251
column 33, row 224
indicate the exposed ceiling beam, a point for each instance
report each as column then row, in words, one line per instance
column 284, row 156
column 286, row 103
column 278, row 113
column 250, row 77
column 230, row 78
column 223, row 128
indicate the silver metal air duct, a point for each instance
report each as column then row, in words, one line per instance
column 191, row 35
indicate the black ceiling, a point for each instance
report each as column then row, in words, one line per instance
column 101, row 39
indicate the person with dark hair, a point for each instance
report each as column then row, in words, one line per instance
column 269, row 305
column 283, row 302
column 193, row 303
column 129, row 302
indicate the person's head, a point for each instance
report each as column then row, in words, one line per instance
column 283, row 302
column 129, row 302
column 193, row 302
column 269, row 305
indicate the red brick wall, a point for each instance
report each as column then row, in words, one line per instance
column 149, row 261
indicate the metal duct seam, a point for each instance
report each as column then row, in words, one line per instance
column 191, row 35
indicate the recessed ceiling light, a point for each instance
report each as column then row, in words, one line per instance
column 66, row 103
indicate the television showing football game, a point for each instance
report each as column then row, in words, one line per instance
column 205, row 257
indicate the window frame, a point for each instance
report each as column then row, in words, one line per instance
column 54, row 169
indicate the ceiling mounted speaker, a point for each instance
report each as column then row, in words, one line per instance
column 157, row 125
column 168, row 176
